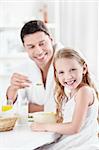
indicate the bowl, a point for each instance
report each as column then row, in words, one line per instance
column 7, row 123
column 44, row 117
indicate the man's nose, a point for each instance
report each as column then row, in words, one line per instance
column 39, row 50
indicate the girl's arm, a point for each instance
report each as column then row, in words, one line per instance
column 83, row 99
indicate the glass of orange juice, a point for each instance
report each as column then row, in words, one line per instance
column 8, row 106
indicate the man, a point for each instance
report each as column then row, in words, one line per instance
column 35, row 80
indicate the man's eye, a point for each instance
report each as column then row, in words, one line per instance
column 41, row 44
column 31, row 47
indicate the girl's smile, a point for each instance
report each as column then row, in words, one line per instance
column 70, row 83
column 70, row 72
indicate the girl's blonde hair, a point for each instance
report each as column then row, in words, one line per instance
column 59, row 89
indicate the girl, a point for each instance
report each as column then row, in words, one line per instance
column 77, row 105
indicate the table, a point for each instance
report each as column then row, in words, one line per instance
column 22, row 138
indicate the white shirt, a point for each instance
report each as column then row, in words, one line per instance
column 37, row 93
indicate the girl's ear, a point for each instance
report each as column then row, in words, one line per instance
column 85, row 68
column 56, row 74
column 57, row 78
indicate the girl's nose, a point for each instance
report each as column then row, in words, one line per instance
column 67, row 76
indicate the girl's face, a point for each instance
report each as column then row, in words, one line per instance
column 69, row 72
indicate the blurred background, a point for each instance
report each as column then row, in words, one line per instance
column 74, row 23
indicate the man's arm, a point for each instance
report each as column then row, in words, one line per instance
column 35, row 107
column 11, row 94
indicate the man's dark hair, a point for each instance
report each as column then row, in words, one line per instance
column 32, row 27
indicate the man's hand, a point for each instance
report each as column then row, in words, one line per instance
column 18, row 81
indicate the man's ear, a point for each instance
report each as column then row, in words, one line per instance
column 51, row 39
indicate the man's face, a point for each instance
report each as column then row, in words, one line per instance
column 39, row 48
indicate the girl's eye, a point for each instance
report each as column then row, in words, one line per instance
column 60, row 72
column 73, row 69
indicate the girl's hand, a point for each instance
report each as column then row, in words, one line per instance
column 40, row 127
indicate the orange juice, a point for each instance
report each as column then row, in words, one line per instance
column 6, row 107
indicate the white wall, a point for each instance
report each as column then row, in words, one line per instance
column 13, row 14
column 77, row 19
column 79, row 28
